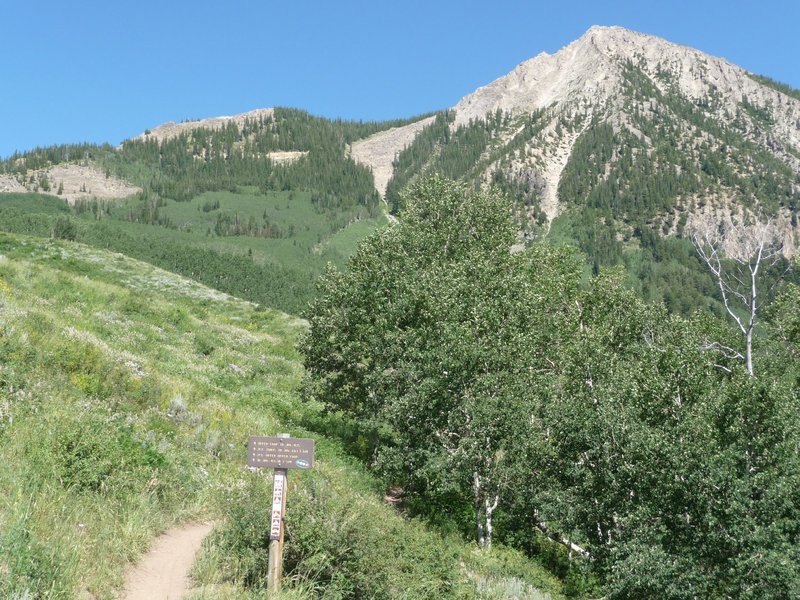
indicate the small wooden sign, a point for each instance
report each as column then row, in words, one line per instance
column 280, row 452
column 278, row 504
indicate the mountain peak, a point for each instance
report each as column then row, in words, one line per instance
column 639, row 91
column 588, row 73
column 609, row 30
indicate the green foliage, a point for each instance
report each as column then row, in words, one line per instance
column 234, row 273
column 266, row 248
column 33, row 203
column 204, row 344
column 654, row 441
column 782, row 321
column 222, row 159
column 784, row 316
column 759, row 114
column 280, row 219
column 490, row 378
column 592, row 151
column 442, row 298
column 776, row 85
column 21, row 162
column 210, row 205
column 32, row 214
column 414, row 158
column 65, row 229
column 526, row 192
column 96, row 456
column 30, row 569
column 340, row 543
column 438, row 149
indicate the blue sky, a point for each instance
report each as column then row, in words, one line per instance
column 105, row 71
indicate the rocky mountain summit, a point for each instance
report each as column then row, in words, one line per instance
column 626, row 122
column 590, row 71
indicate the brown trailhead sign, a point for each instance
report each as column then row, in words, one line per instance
column 280, row 452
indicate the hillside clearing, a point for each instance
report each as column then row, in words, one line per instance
column 71, row 182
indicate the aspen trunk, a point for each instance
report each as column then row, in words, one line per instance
column 484, row 509
column 480, row 529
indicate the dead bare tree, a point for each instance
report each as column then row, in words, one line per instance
column 736, row 254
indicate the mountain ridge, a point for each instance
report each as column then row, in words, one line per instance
column 589, row 79
column 583, row 80
column 171, row 129
column 616, row 142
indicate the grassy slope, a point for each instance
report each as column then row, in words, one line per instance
column 126, row 398
column 302, row 227
column 285, row 267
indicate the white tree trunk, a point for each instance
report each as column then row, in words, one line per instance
column 484, row 509
column 556, row 537
column 747, row 247
column 490, row 508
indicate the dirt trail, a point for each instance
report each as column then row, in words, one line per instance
column 163, row 573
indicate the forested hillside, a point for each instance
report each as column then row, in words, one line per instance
column 220, row 205
column 623, row 202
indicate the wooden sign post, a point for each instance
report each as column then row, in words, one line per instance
column 281, row 454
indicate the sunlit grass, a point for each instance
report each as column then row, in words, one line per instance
column 91, row 338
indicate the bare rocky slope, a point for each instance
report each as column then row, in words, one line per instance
column 70, row 181
column 379, row 150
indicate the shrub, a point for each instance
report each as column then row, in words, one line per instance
column 339, row 543
column 65, row 229
column 27, row 568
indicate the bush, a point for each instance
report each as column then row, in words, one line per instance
column 65, row 229
column 339, row 543
column 28, row 569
